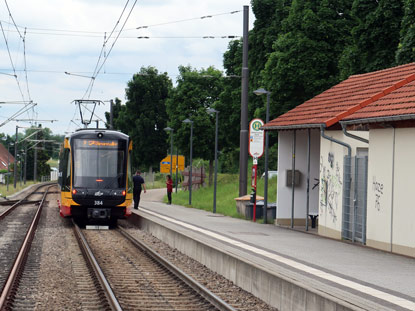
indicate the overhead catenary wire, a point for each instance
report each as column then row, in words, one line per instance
column 98, row 34
column 11, row 17
column 97, row 71
column 11, row 61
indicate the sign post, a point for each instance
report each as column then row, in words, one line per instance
column 256, row 150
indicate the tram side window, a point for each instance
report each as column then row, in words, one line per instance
column 66, row 171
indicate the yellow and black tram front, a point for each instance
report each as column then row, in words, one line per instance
column 96, row 179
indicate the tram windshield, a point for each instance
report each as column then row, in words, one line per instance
column 99, row 164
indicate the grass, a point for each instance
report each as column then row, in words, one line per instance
column 53, row 162
column 5, row 193
column 226, row 192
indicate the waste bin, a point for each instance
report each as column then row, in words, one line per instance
column 250, row 211
column 271, row 209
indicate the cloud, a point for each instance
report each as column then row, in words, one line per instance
column 50, row 55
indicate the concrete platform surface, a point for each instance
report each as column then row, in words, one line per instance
column 369, row 279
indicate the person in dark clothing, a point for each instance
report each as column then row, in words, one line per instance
column 139, row 184
column 169, row 183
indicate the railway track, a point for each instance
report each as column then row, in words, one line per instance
column 17, row 232
column 134, row 277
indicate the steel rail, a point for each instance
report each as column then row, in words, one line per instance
column 22, row 201
column 86, row 250
column 197, row 287
column 21, row 257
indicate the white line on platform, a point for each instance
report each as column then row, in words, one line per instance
column 404, row 303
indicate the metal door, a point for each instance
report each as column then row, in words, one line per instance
column 355, row 197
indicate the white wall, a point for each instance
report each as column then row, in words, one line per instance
column 404, row 189
column 390, row 213
column 331, row 180
column 379, row 192
column 284, row 193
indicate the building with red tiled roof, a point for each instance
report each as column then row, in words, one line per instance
column 5, row 157
column 349, row 97
column 352, row 149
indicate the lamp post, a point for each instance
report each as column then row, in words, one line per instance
column 169, row 129
column 191, row 154
column 260, row 92
column 211, row 111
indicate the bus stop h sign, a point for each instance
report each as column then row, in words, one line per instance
column 256, row 138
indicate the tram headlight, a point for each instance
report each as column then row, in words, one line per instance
column 100, row 135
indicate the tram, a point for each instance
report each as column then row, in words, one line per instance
column 95, row 176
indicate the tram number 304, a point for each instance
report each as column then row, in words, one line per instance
column 98, row 203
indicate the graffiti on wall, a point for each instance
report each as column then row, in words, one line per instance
column 377, row 188
column 331, row 186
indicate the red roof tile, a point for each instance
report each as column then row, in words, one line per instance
column 397, row 103
column 5, row 157
column 353, row 96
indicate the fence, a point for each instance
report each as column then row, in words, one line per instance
column 198, row 178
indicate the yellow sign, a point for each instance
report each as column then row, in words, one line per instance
column 165, row 164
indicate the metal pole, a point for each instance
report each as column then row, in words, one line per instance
column 35, row 162
column 8, row 167
column 266, row 162
column 171, row 153
column 15, row 156
column 177, row 165
column 216, row 162
column 191, row 155
column 243, row 139
column 308, row 180
column 111, row 113
column 21, row 169
column 293, row 180
column 25, row 163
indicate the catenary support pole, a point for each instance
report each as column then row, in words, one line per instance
column 15, row 158
column 293, row 179
column 243, row 139
column 308, row 179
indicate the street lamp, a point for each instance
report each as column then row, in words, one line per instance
column 191, row 154
column 260, row 92
column 169, row 129
column 211, row 111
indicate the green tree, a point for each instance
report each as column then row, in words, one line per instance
column 32, row 140
column 306, row 54
column 144, row 116
column 116, row 110
column 195, row 92
column 229, row 104
column 375, row 36
column 406, row 49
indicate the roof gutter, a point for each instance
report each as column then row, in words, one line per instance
column 290, row 127
column 349, row 148
column 345, row 132
column 380, row 119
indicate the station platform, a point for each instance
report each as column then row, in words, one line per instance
column 288, row 269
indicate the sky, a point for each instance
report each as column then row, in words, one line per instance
column 63, row 41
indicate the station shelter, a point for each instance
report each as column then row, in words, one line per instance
column 346, row 156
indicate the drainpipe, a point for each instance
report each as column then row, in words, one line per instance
column 349, row 148
column 345, row 132
column 393, row 187
column 347, row 181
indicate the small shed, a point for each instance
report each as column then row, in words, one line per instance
column 345, row 155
